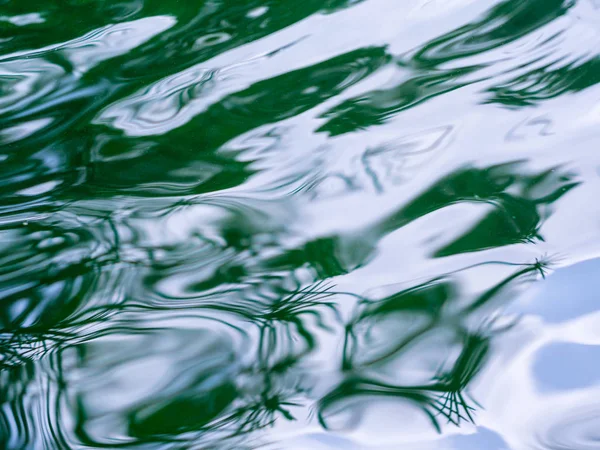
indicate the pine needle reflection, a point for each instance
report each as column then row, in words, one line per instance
column 286, row 307
column 223, row 223
column 384, row 330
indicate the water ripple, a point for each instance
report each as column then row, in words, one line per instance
column 275, row 224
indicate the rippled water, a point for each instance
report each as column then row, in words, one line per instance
column 316, row 224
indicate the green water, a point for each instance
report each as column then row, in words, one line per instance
column 299, row 225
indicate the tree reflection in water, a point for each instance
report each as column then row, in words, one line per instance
column 160, row 285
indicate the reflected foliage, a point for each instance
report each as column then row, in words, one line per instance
column 428, row 77
column 386, row 332
column 517, row 202
column 546, row 83
column 165, row 281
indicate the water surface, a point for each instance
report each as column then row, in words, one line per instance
column 317, row 224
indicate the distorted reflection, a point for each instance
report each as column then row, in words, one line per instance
column 298, row 224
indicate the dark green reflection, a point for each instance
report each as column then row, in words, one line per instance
column 168, row 273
